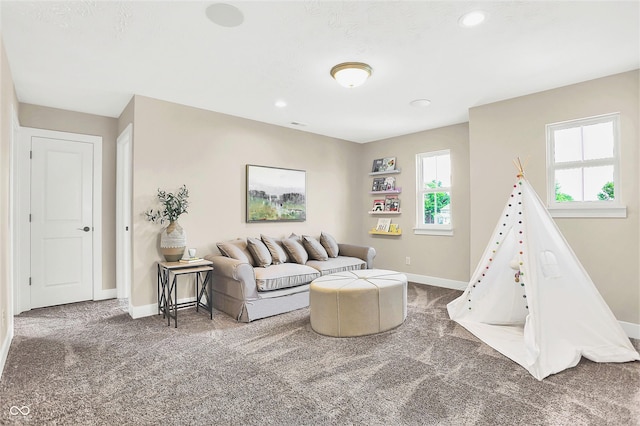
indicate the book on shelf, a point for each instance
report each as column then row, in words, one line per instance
column 389, row 184
column 388, row 164
column 393, row 227
column 378, row 205
column 383, row 225
column 378, row 184
column 190, row 259
column 377, row 164
column 392, row 204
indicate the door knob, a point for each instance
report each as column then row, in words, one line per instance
column 85, row 229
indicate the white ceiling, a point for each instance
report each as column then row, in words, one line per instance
column 92, row 56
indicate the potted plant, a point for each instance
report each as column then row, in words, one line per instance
column 173, row 239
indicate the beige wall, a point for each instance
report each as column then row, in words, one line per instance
column 88, row 124
column 8, row 102
column 175, row 144
column 502, row 131
column 432, row 256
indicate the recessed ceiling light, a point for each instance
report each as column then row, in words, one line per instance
column 472, row 19
column 351, row 74
column 420, row 103
column 225, row 15
column 280, row 103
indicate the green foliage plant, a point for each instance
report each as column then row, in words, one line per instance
column 607, row 192
column 172, row 206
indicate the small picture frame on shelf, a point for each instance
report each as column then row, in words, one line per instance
column 383, row 225
column 378, row 205
column 377, row 165
column 378, row 184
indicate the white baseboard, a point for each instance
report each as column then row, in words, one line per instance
column 152, row 309
column 632, row 330
column 437, row 282
column 110, row 293
column 4, row 349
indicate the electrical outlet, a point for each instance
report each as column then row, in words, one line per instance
column 407, row 260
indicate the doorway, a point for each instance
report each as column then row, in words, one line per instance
column 59, row 192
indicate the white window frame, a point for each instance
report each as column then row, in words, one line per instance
column 430, row 229
column 596, row 208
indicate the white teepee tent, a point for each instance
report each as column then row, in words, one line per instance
column 531, row 299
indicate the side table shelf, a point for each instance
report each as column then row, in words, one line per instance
column 168, row 273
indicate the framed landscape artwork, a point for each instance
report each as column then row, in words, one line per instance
column 276, row 195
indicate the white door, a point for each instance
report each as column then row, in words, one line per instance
column 61, row 221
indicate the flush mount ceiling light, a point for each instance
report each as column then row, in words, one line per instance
column 472, row 19
column 420, row 103
column 351, row 74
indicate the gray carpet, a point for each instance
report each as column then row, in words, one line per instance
column 90, row 364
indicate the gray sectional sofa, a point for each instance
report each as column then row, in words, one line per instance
column 255, row 278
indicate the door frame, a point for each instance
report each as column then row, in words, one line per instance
column 124, row 190
column 22, row 188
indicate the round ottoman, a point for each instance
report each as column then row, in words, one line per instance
column 357, row 303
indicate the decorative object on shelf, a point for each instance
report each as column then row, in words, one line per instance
column 377, row 165
column 275, row 195
column 351, row 74
column 378, row 184
column 388, row 164
column 389, row 184
column 173, row 239
column 378, row 206
column 391, row 204
column 383, row 225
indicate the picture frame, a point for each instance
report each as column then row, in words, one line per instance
column 275, row 194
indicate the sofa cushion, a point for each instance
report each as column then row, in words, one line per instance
column 260, row 252
column 330, row 244
column 337, row 264
column 295, row 250
column 278, row 255
column 236, row 249
column 314, row 248
column 284, row 275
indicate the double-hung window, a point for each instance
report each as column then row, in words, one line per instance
column 433, row 195
column 583, row 168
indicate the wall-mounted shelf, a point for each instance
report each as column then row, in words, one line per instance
column 385, row 172
column 383, row 212
column 374, row 232
column 391, row 191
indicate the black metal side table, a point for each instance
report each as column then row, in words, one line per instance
column 168, row 273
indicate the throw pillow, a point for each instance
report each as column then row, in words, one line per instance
column 295, row 250
column 330, row 244
column 259, row 251
column 278, row 255
column 314, row 248
column 236, row 249
column 298, row 238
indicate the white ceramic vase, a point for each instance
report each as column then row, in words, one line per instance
column 173, row 242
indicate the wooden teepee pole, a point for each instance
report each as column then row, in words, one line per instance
column 520, row 167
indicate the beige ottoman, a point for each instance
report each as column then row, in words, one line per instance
column 357, row 303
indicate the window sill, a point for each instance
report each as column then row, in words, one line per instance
column 589, row 211
column 433, row 231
